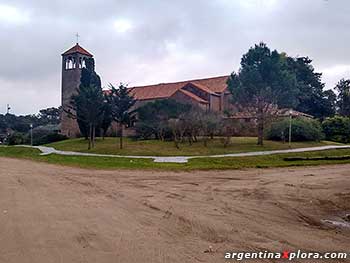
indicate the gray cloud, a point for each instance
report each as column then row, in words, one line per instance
column 160, row 41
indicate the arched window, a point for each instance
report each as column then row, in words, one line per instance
column 69, row 63
column 84, row 63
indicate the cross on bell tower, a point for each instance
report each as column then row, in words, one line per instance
column 77, row 36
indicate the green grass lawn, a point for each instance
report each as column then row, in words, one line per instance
column 193, row 164
column 159, row 148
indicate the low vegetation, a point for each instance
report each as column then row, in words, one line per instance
column 277, row 160
column 302, row 130
column 166, row 148
column 337, row 129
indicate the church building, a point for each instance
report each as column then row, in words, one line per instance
column 209, row 93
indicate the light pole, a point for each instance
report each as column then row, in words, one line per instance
column 290, row 128
column 31, row 134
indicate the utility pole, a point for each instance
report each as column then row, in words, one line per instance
column 31, row 134
column 290, row 128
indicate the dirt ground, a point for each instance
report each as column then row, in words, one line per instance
column 52, row 213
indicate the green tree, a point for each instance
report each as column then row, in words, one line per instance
column 49, row 116
column 88, row 78
column 89, row 106
column 153, row 118
column 107, row 116
column 121, row 101
column 263, row 82
column 337, row 129
column 312, row 98
column 343, row 103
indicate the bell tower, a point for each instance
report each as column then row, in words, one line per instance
column 73, row 61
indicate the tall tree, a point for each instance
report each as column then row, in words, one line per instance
column 89, row 105
column 49, row 116
column 312, row 98
column 330, row 103
column 107, row 116
column 88, row 78
column 263, row 82
column 343, row 103
column 121, row 102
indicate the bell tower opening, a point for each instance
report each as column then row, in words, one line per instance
column 73, row 61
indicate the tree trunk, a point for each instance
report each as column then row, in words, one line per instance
column 205, row 141
column 227, row 141
column 176, row 140
column 90, row 135
column 260, row 126
column 121, row 137
column 190, row 139
column 93, row 136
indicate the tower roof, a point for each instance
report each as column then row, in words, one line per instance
column 77, row 49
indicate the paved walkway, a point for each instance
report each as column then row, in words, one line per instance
column 184, row 159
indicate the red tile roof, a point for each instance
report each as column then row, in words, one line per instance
column 77, row 49
column 166, row 90
column 202, row 87
column 216, row 84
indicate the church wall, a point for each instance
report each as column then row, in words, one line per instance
column 70, row 85
column 215, row 103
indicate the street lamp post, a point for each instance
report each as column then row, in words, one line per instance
column 290, row 128
column 31, row 134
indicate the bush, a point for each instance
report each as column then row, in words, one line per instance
column 46, row 134
column 302, row 130
column 144, row 130
column 49, row 138
column 17, row 138
column 337, row 129
column 153, row 118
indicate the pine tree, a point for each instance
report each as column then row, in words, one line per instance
column 121, row 101
column 262, row 82
column 343, row 103
column 89, row 106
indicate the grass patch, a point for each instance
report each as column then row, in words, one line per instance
column 159, row 148
column 19, row 152
column 277, row 160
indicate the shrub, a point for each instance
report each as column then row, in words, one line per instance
column 144, row 130
column 46, row 134
column 49, row 138
column 337, row 129
column 153, row 118
column 302, row 130
column 17, row 138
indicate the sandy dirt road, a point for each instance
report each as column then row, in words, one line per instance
column 55, row 214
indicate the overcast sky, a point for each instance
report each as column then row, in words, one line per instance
column 153, row 41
